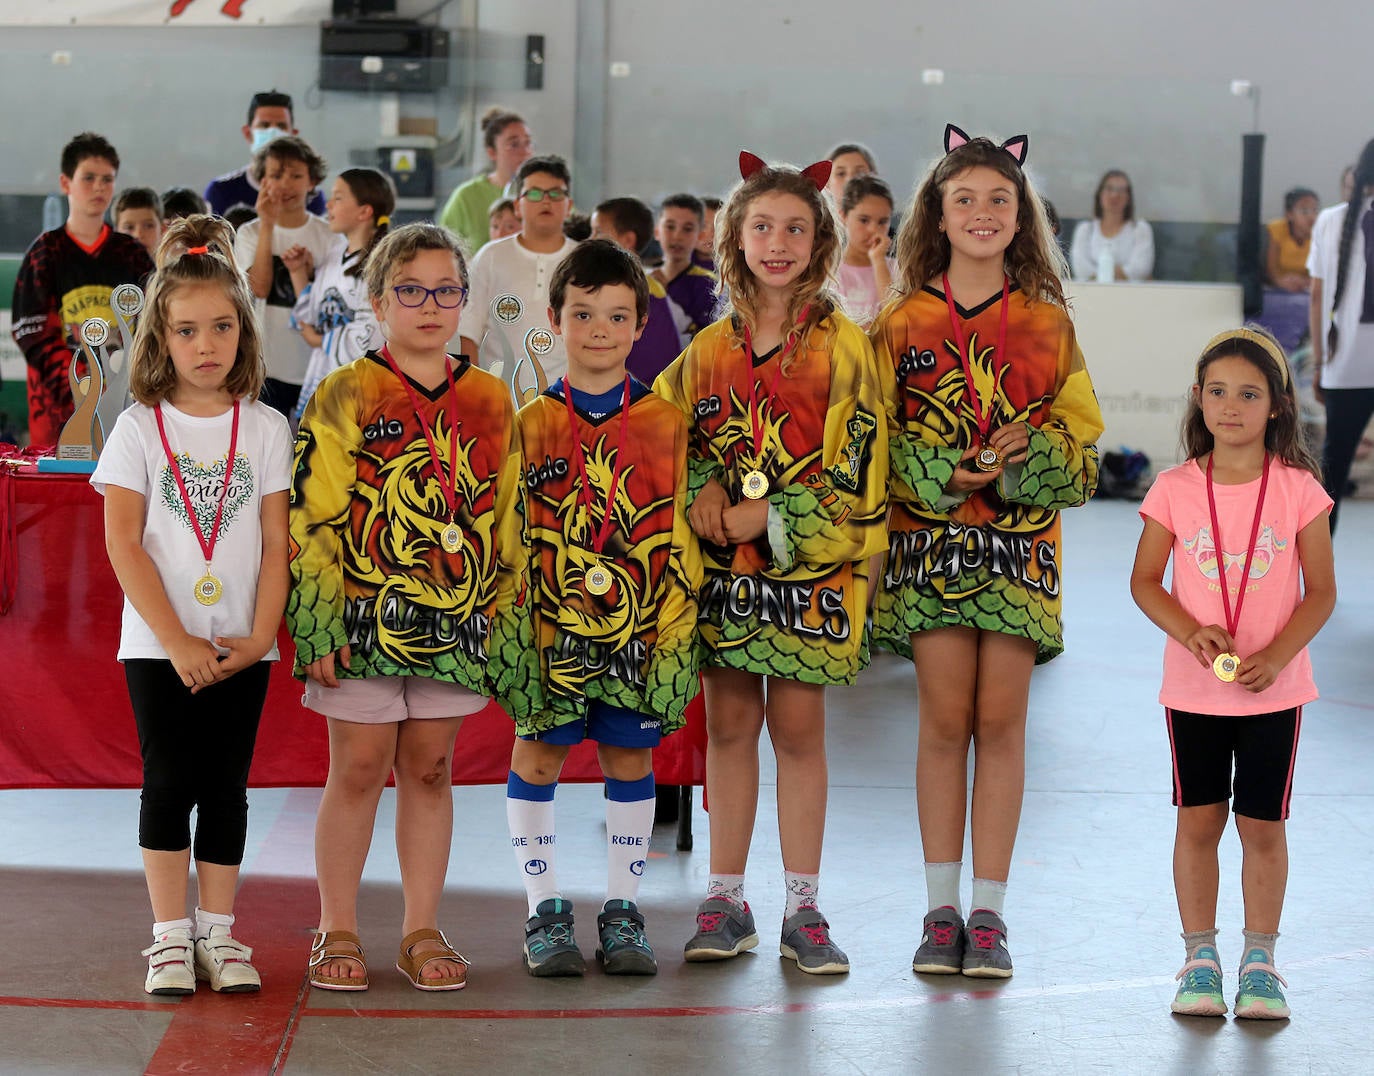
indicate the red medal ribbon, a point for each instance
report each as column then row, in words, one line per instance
column 207, row 546
column 1232, row 623
column 755, row 419
column 983, row 419
column 580, row 461
column 448, row 484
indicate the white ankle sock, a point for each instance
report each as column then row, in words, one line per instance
column 729, row 886
column 162, row 929
column 942, row 886
column 988, row 894
column 205, row 920
column 802, row 890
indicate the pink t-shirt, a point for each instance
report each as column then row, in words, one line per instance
column 1178, row 502
column 858, row 288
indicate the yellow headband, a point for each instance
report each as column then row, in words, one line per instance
column 1265, row 341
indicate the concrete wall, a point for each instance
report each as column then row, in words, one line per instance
column 1143, row 86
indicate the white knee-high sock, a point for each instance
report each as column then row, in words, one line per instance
column 529, row 814
column 629, row 827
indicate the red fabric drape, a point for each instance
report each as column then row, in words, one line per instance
column 65, row 720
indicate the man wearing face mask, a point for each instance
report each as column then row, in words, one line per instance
column 270, row 114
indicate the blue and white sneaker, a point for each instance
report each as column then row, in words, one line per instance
column 550, row 949
column 1259, row 996
column 1199, row 987
column 986, row 955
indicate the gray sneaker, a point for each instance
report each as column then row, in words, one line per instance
column 806, row 939
column 986, row 955
column 943, row 941
column 724, row 929
column 550, row 948
column 624, row 950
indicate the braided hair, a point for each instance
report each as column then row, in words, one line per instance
column 1364, row 178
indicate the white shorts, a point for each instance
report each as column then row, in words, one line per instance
column 382, row 700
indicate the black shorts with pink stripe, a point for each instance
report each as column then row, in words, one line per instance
column 1259, row 750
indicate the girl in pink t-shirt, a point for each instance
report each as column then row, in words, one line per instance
column 1245, row 521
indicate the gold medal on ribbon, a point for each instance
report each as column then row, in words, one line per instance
column 208, row 589
column 1225, row 667
column 987, row 459
column 755, row 485
column 598, row 580
column 451, row 538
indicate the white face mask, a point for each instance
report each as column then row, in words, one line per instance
column 264, row 135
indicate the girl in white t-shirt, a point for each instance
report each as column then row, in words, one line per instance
column 865, row 275
column 195, row 476
column 333, row 314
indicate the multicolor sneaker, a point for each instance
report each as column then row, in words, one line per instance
column 1259, row 996
column 806, row 939
column 941, row 951
column 170, row 969
column 223, row 961
column 1199, row 988
column 624, row 950
column 724, row 929
column 986, row 955
column 550, row 948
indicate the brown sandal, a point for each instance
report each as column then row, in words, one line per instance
column 336, row 945
column 412, row 966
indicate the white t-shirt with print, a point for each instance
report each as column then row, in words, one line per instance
column 133, row 459
column 508, row 296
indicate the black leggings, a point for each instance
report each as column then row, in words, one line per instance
column 196, row 753
column 1347, row 413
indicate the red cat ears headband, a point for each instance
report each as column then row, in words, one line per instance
column 1017, row 146
column 818, row 173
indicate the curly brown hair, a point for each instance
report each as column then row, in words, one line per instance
column 152, row 377
column 812, row 288
column 1033, row 259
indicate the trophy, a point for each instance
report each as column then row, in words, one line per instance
column 527, row 378
column 126, row 301
column 83, row 437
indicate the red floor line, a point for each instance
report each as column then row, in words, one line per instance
column 88, row 1003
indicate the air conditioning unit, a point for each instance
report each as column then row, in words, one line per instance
column 391, row 55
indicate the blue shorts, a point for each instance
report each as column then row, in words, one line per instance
column 604, row 723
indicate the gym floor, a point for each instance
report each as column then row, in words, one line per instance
column 1090, row 912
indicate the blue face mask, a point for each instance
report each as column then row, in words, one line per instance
column 264, row 135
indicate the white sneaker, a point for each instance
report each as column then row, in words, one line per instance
column 223, row 961
column 170, row 964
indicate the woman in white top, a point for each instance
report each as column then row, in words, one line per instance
column 1113, row 245
column 1342, row 324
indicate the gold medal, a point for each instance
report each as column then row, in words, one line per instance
column 208, row 589
column 987, row 459
column 755, row 485
column 598, row 581
column 1225, row 667
column 451, row 538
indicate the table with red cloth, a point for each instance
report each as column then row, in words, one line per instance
column 65, row 718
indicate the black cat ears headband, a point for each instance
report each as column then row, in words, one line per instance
column 1016, row 146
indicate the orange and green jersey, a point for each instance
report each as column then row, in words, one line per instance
column 557, row 644
column 791, row 602
column 367, row 513
column 994, row 560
